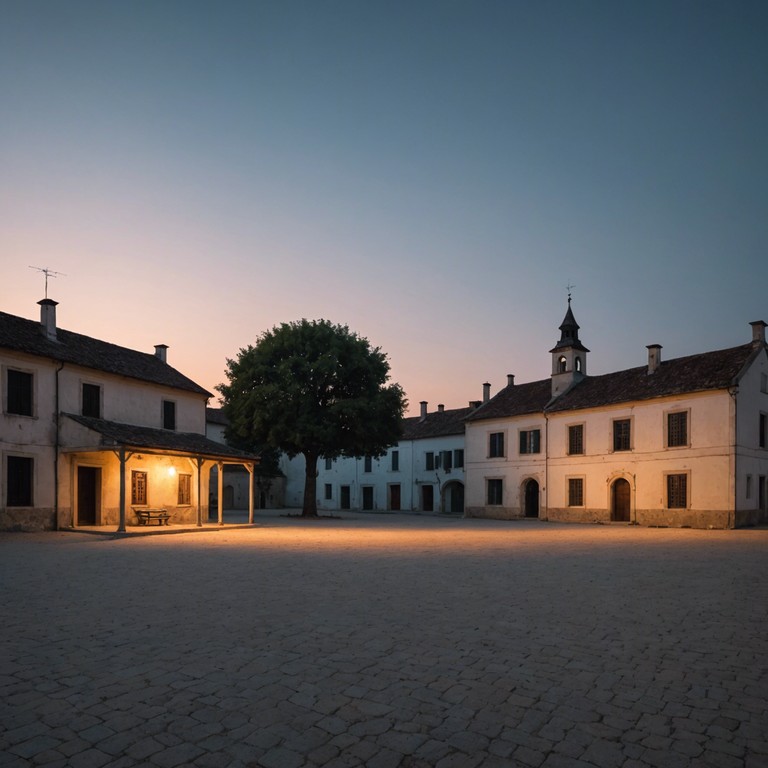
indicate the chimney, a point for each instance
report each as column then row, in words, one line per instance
column 440, row 408
column 161, row 352
column 510, row 379
column 475, row 403
column 654, row 357
column 486, row 392
column 758, row 332
column 48, row 318
column 423, row 405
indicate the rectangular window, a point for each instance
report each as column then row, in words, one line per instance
column 762, row 439
column 185, row 490
column 91, row 400
column 494, row 490
column 762, row 492
column 530, row 441
column 458, row 458
column 429, row 459
column 395, row 457
column 169, row 414
column 446, row 460
column 19, row 392
column 329, row 463
column 328, row 491
column 622, row 434
column 496, row 445
column 575, row 491
column 677, row 429
column 139, row 488
column 367, row 464
column 677, row 491
column 19, row 481
column 576, row 439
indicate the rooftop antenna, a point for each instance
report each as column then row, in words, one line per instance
column 48, row 273
column 569, row 288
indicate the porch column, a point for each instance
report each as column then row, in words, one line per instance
column 121, row 458
column 199, row 462
column 250, row 468
column 221, row 492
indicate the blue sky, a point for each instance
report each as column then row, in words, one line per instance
column 432, row 174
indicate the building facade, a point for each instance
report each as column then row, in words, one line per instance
column 92, row 433
column 682, row 442
column 424, row 472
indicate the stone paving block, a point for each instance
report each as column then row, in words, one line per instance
column 90, row 758
column 279, row 757
column 548, row 670
column 34, row 746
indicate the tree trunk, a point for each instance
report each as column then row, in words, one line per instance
column 310, row 486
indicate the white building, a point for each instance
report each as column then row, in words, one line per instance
column 92, row 433
column 682, row 442
column 423, row 472
column 236, row 483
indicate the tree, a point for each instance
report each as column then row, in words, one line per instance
column 316, row 389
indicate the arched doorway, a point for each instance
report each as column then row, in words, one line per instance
column 620, row 500
column 453, row 498
column 531, row 499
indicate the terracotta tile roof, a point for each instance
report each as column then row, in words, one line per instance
column 683, row 375
column 216, row 416
column 24, row 335
column 696, row 373
column 114, row 434
column 516, row 400
column 436, row 424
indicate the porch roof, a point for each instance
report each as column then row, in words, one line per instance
column 116, row 435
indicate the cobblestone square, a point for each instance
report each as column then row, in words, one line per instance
column 386, row 641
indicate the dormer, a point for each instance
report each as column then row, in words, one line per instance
column 569, row 356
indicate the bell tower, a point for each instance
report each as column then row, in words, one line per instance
column 569, row 355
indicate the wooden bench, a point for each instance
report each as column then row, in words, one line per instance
column 147, row 514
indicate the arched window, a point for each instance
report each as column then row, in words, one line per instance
column 562, row 364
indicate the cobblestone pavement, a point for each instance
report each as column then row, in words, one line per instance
column 385, row 641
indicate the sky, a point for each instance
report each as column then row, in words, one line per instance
column 433, row 174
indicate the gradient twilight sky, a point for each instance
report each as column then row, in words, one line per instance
column 432, row 173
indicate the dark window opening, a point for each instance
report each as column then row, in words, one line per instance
column 19, row 396
column 622, row 434
column 576, row 439
column 677, row 491
column 494, row 492
column 19, row 479
column 576, row 492
column 677, row 429
column 92, row 400
column 169, row 414
column 530, row 441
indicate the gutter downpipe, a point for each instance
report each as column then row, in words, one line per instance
column 733, row 392
column 56, row 445
column 546, row 463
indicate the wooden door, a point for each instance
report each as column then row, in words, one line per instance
column 394, row 497
column 531, row 499
column 88, row 482
column 620, row 501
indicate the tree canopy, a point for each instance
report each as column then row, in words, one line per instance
column 312, row 388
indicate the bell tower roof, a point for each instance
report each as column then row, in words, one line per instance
column 569, row 333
